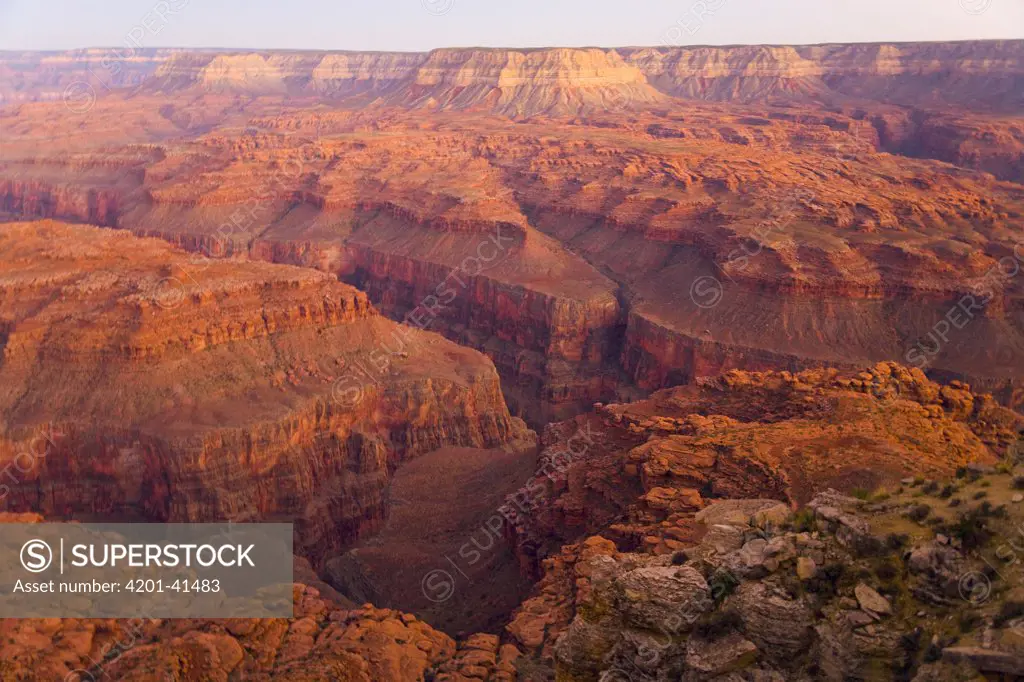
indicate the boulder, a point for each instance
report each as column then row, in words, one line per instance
column 717, row 657
column 986, row 660
column 871, row 601
column 806, row 568
column 779, row 626
column 735, row 512
column 663, row 598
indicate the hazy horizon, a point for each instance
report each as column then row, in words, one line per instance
column 521, row 48
column 423, row 25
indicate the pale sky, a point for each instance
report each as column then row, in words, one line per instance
column 426, row 24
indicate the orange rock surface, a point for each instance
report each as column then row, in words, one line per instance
column 574, row 214
column 176, row 389
column 713, row 242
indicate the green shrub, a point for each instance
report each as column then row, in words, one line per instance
column 897, row 541
column 968, row 620
column 718, row 624
column 1007, row 612
column 826, row 579
column 722, row 583
column 971, row 528
column 919, row 512
column 803, row 521
column 887, row 571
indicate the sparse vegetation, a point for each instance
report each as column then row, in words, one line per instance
column 986, row 509
column 722, row 583
column 897, row 541
column 919, row 512
column 1010, row 610
column 970, row 528
column 718, row 624
column 968, row 620
column 803, row 521
column 826, row 580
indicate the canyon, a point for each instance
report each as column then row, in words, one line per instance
column 619, row 232
column 225, row 399
column 675, row 549
column 533, row 347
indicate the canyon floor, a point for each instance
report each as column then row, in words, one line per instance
column 587, row 365
column 442, row 553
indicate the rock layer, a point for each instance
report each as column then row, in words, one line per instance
column 588, row 258
column 186, row 389
column 985, row 75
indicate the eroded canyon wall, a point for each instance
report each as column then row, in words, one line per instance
column 263, row 392
column 609, row 244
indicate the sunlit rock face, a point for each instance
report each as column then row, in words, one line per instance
column 188, row 390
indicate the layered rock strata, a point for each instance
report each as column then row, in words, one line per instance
column 177, row 389
column 593, row 255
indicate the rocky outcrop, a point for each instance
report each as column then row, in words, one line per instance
column 992, row 145
column 321, row 641
column 639, row 472
column 326, row 638
column 825, row 593
column 182, row 389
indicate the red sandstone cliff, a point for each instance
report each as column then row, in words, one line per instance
column 185, row 389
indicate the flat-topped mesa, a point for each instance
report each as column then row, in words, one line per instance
column 74, row 75
column 351, row 73
column 562, row 81
column 333, row 74
column 252, row 72
column 982, row 75
column 976, row 74
column 182, row 388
